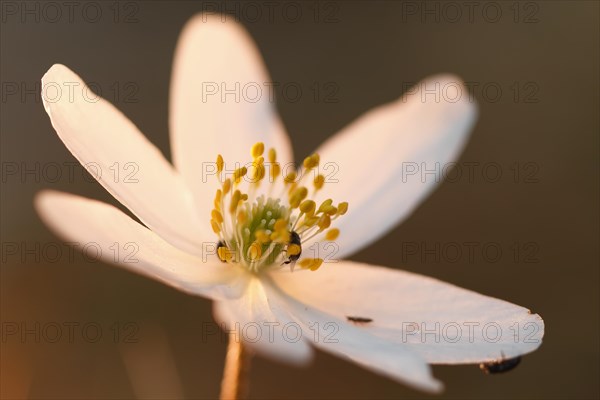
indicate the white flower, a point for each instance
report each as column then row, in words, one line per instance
column 174, row 203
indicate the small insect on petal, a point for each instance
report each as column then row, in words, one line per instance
column 359, row 320
column 500, row 366
column 293, row 250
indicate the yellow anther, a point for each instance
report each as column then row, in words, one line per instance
column 216, row 215
column 261, row 236
column 258, row 150
column 332, row 234
column 285, row 236
column 225, row 254
column 280, row 225
column 264, row 227
column 327, row 208
column 221, row 252
column 324, row 205
column 312, row 264
column 258, row 170
column 293, row 249
column 217, row 201
column 254, row 251
column 220, row 163
column 331, row 211
column 275, row 170
column 215, row 226
column 292, row 187
column 272, row 155
column 319, row 181
column 316, row 264
column 308, row 207
column 226, row 186
column 239, row 173
column 235, row 199
column 242, row 217
column 311, row 161
column 282, row 236
column 324, row 222
column 310, row 221
column 290, row 178
column 297, row 196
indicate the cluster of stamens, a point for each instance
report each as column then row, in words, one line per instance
column 263, row 231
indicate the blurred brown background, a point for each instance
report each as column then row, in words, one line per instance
column 346, row 57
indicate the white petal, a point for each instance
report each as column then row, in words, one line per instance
column 219, row 56
column 332, row 334
column 263, row 326
column 369, row 163
column 105, row 233
column 121, row 158
column 464, row 325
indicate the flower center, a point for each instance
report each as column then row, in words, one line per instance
column 259, row 230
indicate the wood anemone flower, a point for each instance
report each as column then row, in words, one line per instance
column 232, row 222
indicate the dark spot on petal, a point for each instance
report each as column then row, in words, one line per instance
column 359, row 320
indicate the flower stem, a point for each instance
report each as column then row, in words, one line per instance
column 234, row 385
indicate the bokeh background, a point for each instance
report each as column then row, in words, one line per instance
column 534, row 69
